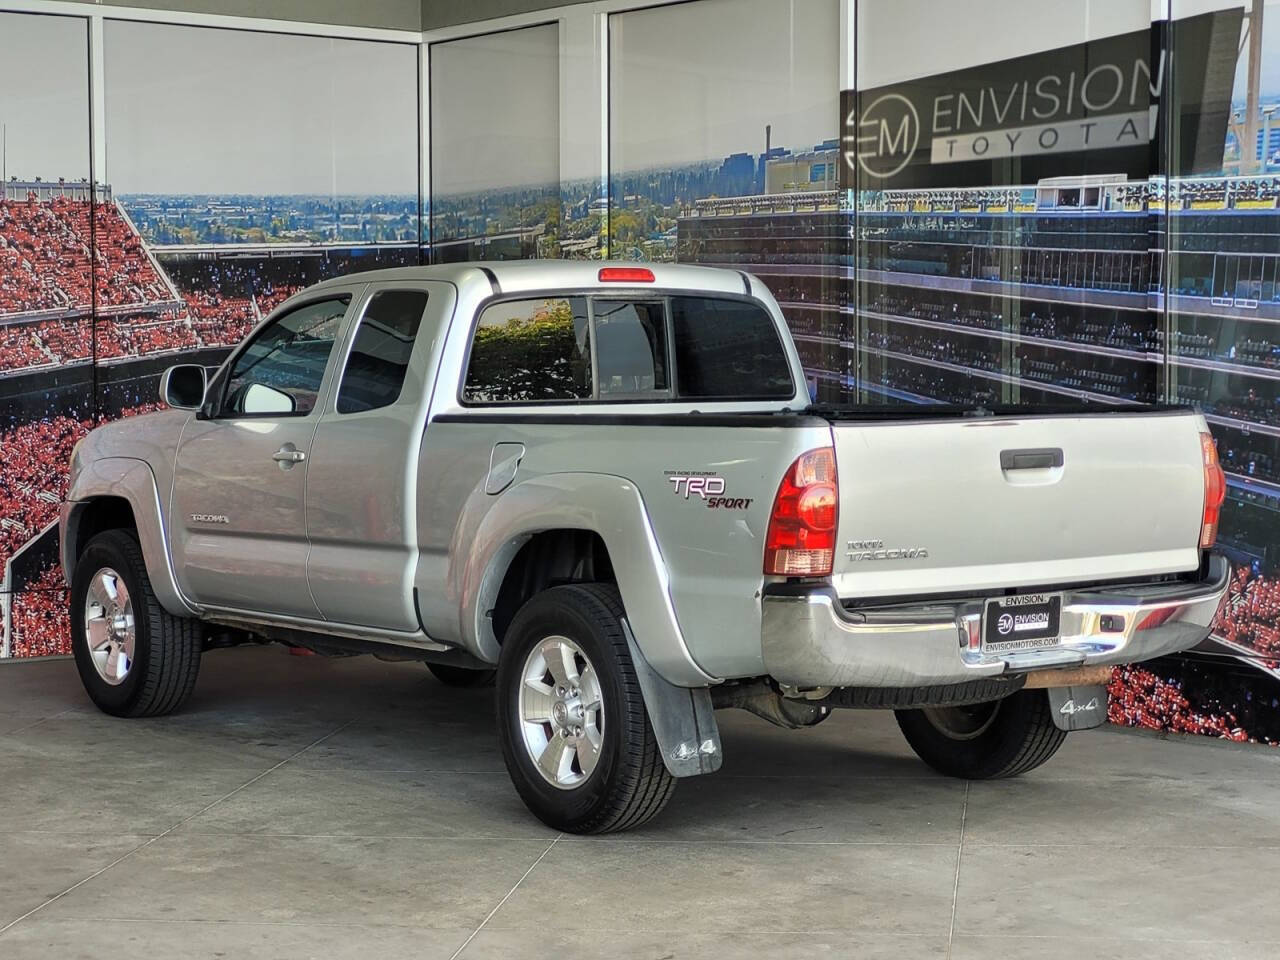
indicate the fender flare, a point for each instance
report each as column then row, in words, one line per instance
column 133, row 481
column 607, row 505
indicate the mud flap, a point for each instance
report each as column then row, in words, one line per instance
column 1078, row 708
column 683, row 719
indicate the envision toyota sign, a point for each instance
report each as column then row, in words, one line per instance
column 1088, row 108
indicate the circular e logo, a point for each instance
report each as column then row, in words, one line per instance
column 888, row 133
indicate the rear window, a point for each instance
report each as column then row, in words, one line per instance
column 631, row 348
column 728, row 349
column 530, row 351
column 606, row 349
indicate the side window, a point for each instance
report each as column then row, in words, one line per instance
column 728, row 349
column 631, row 348
column 379, row 358
column 530, row 351
column 279, row 372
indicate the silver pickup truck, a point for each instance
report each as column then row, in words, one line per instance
column 604, row 488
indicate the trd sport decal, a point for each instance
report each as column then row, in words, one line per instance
column 708, row 487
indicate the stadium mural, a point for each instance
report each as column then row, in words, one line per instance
column 47, row 292
column 202, row 221
column 1093, row 216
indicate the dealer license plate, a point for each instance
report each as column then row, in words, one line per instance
column 1026, row 622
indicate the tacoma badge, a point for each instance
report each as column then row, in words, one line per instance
column 875, row 550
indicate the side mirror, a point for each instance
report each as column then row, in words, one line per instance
column 184, row 386
column 260, row 398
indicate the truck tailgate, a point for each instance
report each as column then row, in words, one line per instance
column 981, row 504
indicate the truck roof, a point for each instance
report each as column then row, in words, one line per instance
column 517, row 276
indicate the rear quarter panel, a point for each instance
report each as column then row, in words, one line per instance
column 710, row 532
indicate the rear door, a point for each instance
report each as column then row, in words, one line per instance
column 362, row 482
column 987, row 503
column 238, row 523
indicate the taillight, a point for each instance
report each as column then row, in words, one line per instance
column 801, row 541
column 625, row 275
column 1215, row 491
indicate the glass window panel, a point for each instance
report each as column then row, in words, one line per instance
column 723, row 150
column 46, row 330
column 247, row 165
column 631, row 348
column 995, row 179
column 379, row 358
column 530, row 351
column 731, row 349
column 1224, row 304
column 286, row 357
column 495, row 146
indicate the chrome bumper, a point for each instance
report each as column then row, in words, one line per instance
column 810, row 640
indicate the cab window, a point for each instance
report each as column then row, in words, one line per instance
column 380, row 354
column 280, row 371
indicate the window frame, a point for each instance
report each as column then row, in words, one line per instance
column 221, row 381
column 630, row 294
column 353, row 333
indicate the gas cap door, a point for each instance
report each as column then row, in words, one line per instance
column 503, row 463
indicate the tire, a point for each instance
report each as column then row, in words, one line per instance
column 161, row 673
column 986, row 741
column 463, row 678
column 622, row 784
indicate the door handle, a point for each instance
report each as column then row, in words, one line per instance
column 1031, row 459
column 288, row 455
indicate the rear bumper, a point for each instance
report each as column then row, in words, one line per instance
column 810, row 640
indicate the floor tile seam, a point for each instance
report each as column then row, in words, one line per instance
column 97, row 873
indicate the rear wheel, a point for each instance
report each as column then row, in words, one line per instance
column 572, row 721
column 984, row 741
column 464, row 678
column 135, row 659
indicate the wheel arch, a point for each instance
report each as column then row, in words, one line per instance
column 588, row 522
column 545, row 559
column 121, row 493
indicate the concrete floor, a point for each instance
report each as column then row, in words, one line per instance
column 305, row 807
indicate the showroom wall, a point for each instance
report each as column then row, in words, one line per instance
column 1023, row 201
column 231, row 167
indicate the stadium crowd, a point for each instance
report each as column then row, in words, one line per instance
column 1030, row 362
column 47, row 249
column 41, row 626
column 1248, row 617
column 144, row 334
column 33, row 476
column 44, row 343
column 1137, row 697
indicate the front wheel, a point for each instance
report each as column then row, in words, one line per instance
column 984, row 741
column 575, row 733
column 135, row 659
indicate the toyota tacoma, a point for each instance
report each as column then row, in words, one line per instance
column 604, row 489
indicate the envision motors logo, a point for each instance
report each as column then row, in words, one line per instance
column 888, row 133
column 1005, row 623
